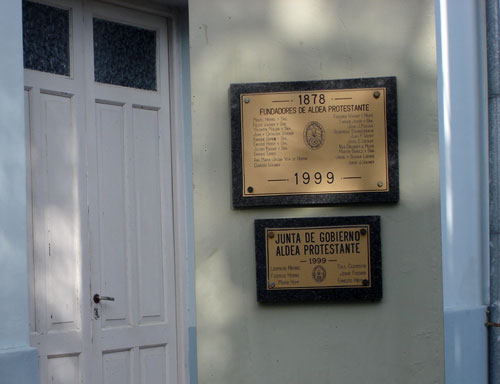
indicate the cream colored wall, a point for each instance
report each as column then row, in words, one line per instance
column 398, row 340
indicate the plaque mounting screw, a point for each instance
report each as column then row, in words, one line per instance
column 365, row 282
column 380, row 184
column 271, row 235
column 247, row 100
column 376, row 94
column 250, row 189
column 272, row 285
column 363, row 231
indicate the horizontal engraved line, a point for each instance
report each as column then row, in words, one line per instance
column 56, row 93
column 281, row 101
column 146, row 107
column 107, row 351
column 351, row 177
column 109, row 102
column 278, row 180
column 153, row 346
column 59, row 355
column 343, row 98
column 62, row 322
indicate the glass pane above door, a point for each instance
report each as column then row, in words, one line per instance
column 124, row 55
column 46, row 42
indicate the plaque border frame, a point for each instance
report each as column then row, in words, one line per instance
column 333, row 198
column 269, row 296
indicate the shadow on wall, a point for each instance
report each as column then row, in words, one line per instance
column 392, row 341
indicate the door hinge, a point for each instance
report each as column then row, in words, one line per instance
column 491, row 324
column 488, row 322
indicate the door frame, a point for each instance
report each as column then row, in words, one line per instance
column 182, row 185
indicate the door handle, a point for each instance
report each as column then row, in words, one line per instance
column 98, row 298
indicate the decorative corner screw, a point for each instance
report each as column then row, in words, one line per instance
column 271, row 235
column 363, row 231
column 250, row 189
column 380, row 184
column 376, row 94
column 365, row 282
column 272, row 285
column 247, row 100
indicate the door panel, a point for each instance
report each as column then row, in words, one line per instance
column 148, row 218
column 56, row 235
column 64, row 369
column 117, row 367
column 112, row 233
column 102, row 221
column 55, row 126
column 153, row 365
column 57, row 313
column 61, row 213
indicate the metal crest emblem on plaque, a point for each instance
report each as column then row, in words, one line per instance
column 314, row 135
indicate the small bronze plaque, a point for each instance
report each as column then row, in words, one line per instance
column 318, row 259
column 314, row 142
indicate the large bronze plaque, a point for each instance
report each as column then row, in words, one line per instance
column 318, row 258
column 314, row 145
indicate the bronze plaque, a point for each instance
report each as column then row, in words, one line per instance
column 318, row 258
column 314, row 142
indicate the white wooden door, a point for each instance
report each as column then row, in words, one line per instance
column 101, row 214
column 131, row 228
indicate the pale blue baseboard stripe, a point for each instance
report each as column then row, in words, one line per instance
column 466, row 354
column 19, row 366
